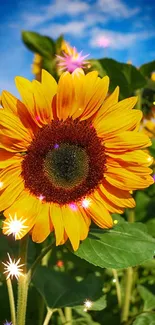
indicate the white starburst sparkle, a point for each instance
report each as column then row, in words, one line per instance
column 12, row 268
column 14, row 226
column 87, row 305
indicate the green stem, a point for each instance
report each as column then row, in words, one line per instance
column 62, row 317
column 38, row 260
column 68, row 315
column 127, row 297
column 131, row 216
column 23, row 284
column 12, row 301
column 138, row 93
column 118, row 288
column 128, row 280
column 48, row 315
column 41, row 304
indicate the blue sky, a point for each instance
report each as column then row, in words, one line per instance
column 128, row 27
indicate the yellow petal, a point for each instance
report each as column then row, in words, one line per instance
column 43, row 106
column 98, row 212
column 25, row 207
column 9, row 175
column 127, row 141
column 65, row 99
column 72, row 225
column 15, row 106
column 136, row 157
column 115, row 122
column 9, row 158
column 107, row 106
column 117, row 196
column 11, row 193
column 43, row 226
column 126, row 180
column 49, row 86
column 57, row 221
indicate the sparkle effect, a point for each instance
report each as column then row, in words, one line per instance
column 71, row 60
column 87, row 304
column 85, row 203
column 12, row 268
column 14, row 226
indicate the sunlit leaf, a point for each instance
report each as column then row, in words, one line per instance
column 124, row 245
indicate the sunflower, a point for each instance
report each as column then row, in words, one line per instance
column 69, row 155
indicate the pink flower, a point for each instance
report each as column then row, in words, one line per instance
column 71, row 60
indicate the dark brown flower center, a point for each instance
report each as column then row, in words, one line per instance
column 65, row 162
column 66, row 166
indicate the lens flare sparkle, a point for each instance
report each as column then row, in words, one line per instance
column 14, row 226
column 12, row 268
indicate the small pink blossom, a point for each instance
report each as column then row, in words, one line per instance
column 71, row 60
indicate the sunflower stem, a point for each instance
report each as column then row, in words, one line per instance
column 118, row 288
column 68, row 315
column 62, row 317
column 44, row 262
column 48, row 315
column 12, row 301
column 127, row 298
column 23, row 284
column 38, row 260
column 138, row 93
column 128, row 280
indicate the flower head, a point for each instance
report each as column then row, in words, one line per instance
column 7, row 323
column 13, row 268
column 77, row 162
column 70, row 59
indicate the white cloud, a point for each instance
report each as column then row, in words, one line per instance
column 55, row 9
column 117, row 8
column 75, row 28
column 118, row 40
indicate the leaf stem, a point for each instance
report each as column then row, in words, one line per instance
column 38, row 260
column 127, row 297
column 41, row 304
column 68, row 315
column 11, row 300
column 138, row 93
column 62, row 317
column 48, row 315
column 118, row 288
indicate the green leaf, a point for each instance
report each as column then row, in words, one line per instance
column 60, row 290
column 96, row 65
column 99, row 304
column 134, row 77
column 145, row 319
column 151, row 226
column 50, row 66
column 117, row 77
column 37, row 43
column 123, row 246
column 148, row 297
column 128, row 77
column 83, row 317
column 147, row 68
